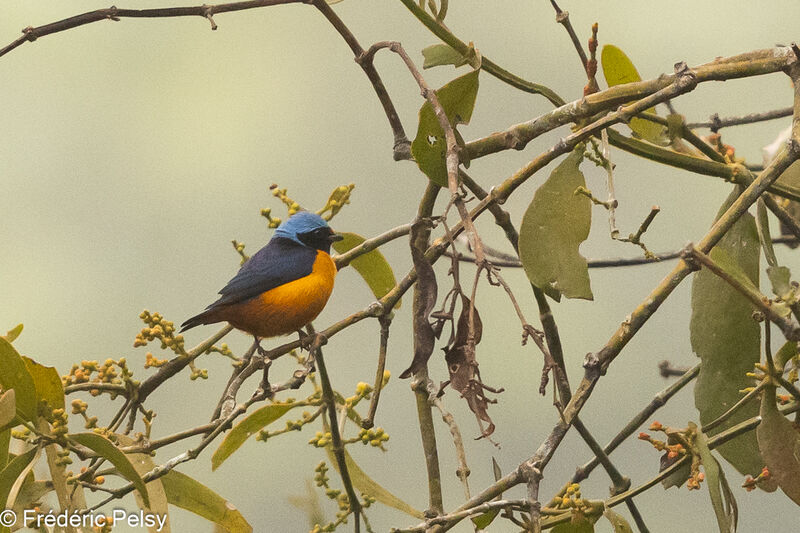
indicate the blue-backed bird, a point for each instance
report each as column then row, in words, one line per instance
column 283, row 286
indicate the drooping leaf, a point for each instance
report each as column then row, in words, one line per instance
column 424, row 300
column 13, row 333
column 442, row 54
column 366, row 485
column 106, row 449
column 372, row 266
column 143, row 463
column 245, row 429
column 8, row 408
column 16, row 468
column 429, row 147
column 722, row 500
column 188, row 493
column 47, row 382
column 14, row 375
column 779, row 443
column 555, row 224
column 726, row 338
column 618, row 69
column 619, row 523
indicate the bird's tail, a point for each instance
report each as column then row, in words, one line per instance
column 197, row 320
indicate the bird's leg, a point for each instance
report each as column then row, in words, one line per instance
column 305, row 339
column 261, row 351
column 264, row 390
column 312, row 340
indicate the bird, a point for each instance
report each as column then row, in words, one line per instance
column 283, row 286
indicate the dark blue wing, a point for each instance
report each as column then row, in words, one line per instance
column 280, row 261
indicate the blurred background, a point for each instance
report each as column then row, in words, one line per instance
column 132, row 152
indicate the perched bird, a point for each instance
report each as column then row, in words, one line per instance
column 283, row 286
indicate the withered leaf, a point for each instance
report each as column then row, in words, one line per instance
column 424, row 300
column 463, row 366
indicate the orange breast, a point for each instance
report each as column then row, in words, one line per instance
column 287, row 308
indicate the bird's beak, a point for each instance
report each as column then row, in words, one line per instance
column 334, row 237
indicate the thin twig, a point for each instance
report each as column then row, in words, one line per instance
column 369, row 421
column 443, row 33
column 715, row 123
column 336, row 437
column 402, row 146
column 31, row 34
column 463, row 470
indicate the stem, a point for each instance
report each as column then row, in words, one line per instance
column 336, row 438
column 419, row 385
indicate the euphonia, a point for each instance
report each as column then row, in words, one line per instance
column 283, row 286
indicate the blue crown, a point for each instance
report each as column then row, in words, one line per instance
column 300, row 222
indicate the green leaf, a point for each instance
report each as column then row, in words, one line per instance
column 32, row 491
column 47, row 381
column 26, row 476
column 5, row 440
column 8, row 408
column 365, row 484
column 13, row 333
column 372, row 266
column 429, row 147
column 245, row 429
column 779, row 443
column 105, row 448
column 722, row 500
column 619, row 524
column 556, row 223
column 143, row 463
column 789, row 181
column 578, row 524
column 726, row 338
column 190, row 494
column 762, row 223
column 618, row 69
column 786, row 352
column 780, row 277
column 442, row 54
column 678, row 477
column 14, row 375
column 13, row 471
column 482, row 521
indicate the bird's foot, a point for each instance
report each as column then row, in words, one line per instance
column 311, row 342
column 306, row 340
column 261, row 350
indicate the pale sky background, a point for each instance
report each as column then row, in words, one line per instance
column 132, row 152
